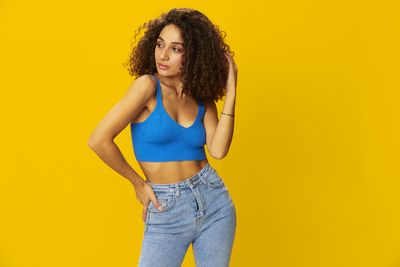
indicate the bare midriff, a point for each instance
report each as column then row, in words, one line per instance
column 171, row 171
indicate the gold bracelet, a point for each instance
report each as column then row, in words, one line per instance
column 228, row 114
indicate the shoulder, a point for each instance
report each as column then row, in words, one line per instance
column 146, row 82
column 144, row 86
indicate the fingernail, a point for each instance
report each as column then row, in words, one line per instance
column 160, row 208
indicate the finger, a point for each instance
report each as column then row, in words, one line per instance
column 144, row 214
column 156, row 203
column 153, row 199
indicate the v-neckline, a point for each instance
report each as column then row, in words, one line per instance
column 165, row 111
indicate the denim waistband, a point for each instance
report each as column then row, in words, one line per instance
column 186, row 184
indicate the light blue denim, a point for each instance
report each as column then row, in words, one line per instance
column 198, row 210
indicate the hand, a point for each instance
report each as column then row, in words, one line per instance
column 145, row 194
column 232, row 77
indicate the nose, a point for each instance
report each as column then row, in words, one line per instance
column 163, row 54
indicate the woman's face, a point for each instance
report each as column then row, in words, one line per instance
column 169, row 51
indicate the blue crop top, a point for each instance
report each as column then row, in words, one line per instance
column 160, row 138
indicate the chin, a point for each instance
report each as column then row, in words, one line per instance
column 167, row 72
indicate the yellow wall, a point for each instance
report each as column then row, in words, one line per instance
column 313, row 166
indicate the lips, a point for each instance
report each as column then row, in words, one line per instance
column 163, row 66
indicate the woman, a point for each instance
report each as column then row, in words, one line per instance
column 182, row 66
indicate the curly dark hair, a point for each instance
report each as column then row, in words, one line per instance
column 204, row 69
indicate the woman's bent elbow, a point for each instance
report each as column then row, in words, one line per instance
column 94, row 143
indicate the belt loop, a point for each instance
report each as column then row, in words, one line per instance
column 202, row 178
column 177, row 189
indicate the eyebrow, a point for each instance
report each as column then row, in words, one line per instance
column 171, row 42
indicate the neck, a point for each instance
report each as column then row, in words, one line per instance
column 174, row 85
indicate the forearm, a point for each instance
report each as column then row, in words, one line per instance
column 112, row 156
column 223, row 135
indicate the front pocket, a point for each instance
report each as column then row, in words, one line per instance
column 167, row 202
column 146, row 221
column 215, row 181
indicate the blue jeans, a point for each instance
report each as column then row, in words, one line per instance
column 198, row 210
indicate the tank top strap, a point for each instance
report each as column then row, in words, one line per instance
column 202, row 109
column 158, row 90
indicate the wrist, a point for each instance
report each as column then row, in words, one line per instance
column 228, row 114
column 137, row 182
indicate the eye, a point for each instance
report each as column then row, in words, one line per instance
column 175, row 49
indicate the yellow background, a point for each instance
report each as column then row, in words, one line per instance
column 314, row 163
